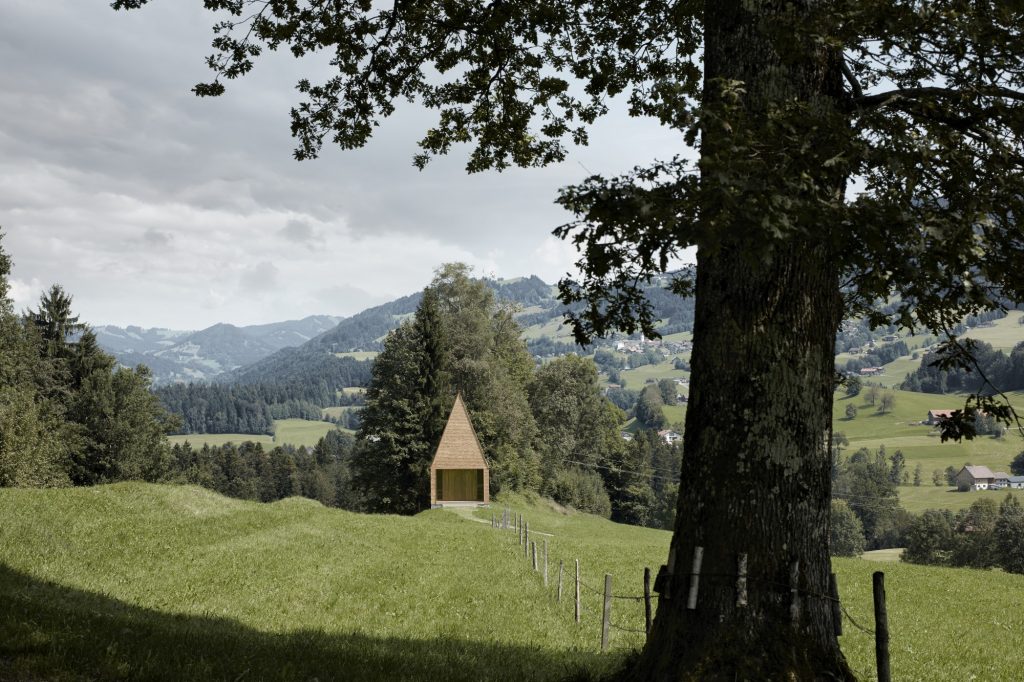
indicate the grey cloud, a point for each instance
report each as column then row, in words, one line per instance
column 298, row 231
column 157, row 238
column 261, row 277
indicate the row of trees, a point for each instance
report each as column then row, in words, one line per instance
column 68, row 414
column 984, row 535
column 247, row 471
column 1004, row 372
column 253, row 407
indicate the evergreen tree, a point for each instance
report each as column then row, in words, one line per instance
column 391, row 462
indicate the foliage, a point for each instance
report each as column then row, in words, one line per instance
column 580, row 489
column 576, row 425
column 252, row 407
column 246, row 471
column 1010, row 536
column 1017, row 465
column 67, row 413
column 648, row 408
column 643, row 481
column 930, row 538
column 865, row 481
column 993, row 370
column 847, row 537
column 984, row 535
column 460, row 339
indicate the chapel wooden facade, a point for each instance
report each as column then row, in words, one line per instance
column 459, row 471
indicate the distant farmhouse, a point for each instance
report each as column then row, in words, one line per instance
column 983, row 478
column 670, row 436
column 459, row 472
column 974, row 478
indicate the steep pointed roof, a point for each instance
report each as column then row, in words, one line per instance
column 459, row 447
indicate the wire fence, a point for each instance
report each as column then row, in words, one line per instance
column 697, row 583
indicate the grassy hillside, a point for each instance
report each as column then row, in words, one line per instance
column 135, row 581
column 901, row 430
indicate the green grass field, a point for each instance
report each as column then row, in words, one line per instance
column 198, row 440
column 138, row 581
column 917, row 499
column 299, row 432
column 901, row 430
column 1004, row 334
column 636, row 379
column 295, row 432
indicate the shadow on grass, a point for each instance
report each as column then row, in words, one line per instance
column 50, row 632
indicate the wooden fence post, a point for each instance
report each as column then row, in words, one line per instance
column 881, row 628
column 545, row 562
column 561, row 568
column 526, row 539
column 533, row 548
column 741, row 581
column 606, row 612
column 647, row 600
column 577, row 590
column 837, row 611
column 698, row 557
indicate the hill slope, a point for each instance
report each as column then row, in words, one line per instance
column 136, row 581
column 200, row 355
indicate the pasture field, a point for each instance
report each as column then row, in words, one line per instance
column 295, row 432
column 901, row 430
column 917, row 499
column 338, row 411
column 141, row 581
column 636, row 379
column 300, row 432
column 198, row 440
column 1004, row 334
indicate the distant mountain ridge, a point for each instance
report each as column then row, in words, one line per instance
column 175, row 355
column 302, row 350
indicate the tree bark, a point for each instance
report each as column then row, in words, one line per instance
column 756, row 466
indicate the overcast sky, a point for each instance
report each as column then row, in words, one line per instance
column 157, row 208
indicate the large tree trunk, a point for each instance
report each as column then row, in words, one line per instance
column 756, row 467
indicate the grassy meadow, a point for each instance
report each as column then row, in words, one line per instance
column 295, row 432
column 901, row 430
column 139, row 581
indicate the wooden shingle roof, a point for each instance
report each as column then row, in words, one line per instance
column 459, row 447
